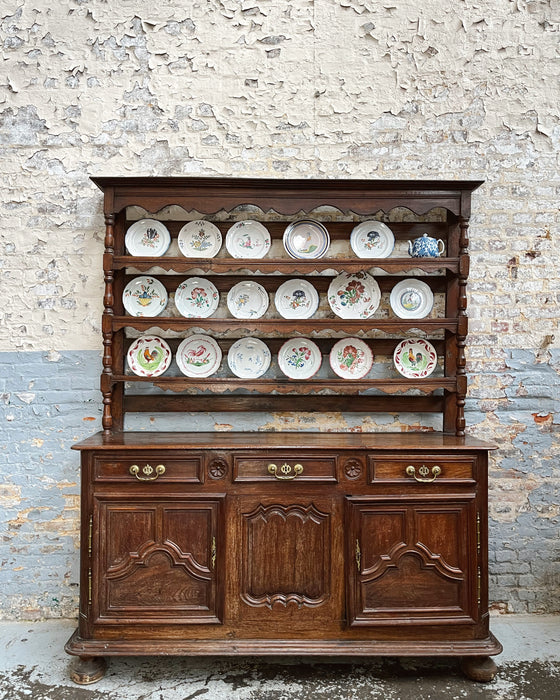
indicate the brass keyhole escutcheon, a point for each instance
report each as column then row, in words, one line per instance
column 286, row 471
column 424, row 471
column 147, row 473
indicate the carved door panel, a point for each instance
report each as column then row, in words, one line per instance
column 289, row 563
column 159, row 560
column 412, row 562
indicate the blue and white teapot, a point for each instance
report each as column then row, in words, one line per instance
column 426, row 247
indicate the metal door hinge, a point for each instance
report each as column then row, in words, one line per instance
column 90, row 536
column 478, row 533
column 479, row 584
column 213, row 553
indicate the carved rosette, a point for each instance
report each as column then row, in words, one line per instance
column 353, row 469
column 217, row 469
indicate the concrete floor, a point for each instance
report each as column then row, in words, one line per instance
column 34, row 666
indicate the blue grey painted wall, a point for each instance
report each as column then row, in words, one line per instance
column 49, row 401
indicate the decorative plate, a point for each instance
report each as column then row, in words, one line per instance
column 415, row 358
column 296, row 299
column 199, row 239
column 248, row 239
column 299, row 358
column 144, row 296
column 149, row 356
column 198, row 356
column 411, row 298
column 351, row 358
column 306, row 239
column 196, row 297
column 249, row 358
column 372, row 239
column 247, row 300
column 147, row 237
column 354, row 295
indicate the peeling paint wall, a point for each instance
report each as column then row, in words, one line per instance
column 310, row 88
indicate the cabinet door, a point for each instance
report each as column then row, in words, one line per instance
column 158, row 560
column 412, row 561
column 288, row 553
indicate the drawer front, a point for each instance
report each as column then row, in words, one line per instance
column 148, row 468
column 284, row 467
column 421, row 470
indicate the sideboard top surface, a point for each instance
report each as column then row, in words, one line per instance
column 281, row 440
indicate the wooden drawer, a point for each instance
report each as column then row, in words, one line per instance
column 284, row 467
column 147, row 468
column 422, row 470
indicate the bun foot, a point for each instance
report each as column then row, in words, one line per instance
column 479, row 668
column 88, row 669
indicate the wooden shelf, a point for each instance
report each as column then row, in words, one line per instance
column 285, row 266
column 309, row 386
column 285, row 326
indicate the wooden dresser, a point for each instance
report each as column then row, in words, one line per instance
column 267, row 543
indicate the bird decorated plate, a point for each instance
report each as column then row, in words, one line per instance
column 196, row 297
column 351, row 358
column 372, row 239
column 147, row 238
column 299, row 358
column 248, row 239
column 247, row 300
column 149, row 356
column 354, row 295
column 411, row 298
column 199, row 239
column 415, row 358
column 296, row 299
column 198, row 356
column 249, row 358
column 306, row 239
column 144, row 296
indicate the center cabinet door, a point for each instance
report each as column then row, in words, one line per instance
column 288, row 556
column 412, row 561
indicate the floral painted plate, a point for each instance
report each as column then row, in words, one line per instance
column 411, row 298
column 149, row 356
column 351, row 358
column 199, row 239
column 198, row 356
column 296, row 299
column 415, row 358
column 144, row 296
column 147, row 238
column 354, row 295
column 247, row 300
column 306, row 239
column 248, row 239
column 249, row 358
column 196, row 297
column 299, row 358
column 372, row 239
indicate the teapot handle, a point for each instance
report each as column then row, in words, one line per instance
column 441, row 246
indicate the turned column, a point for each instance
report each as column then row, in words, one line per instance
column 462, row 326
column 107, row 323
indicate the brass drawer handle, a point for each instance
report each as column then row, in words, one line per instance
column 424, row 471
column 287, row 472
column 150, row 474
